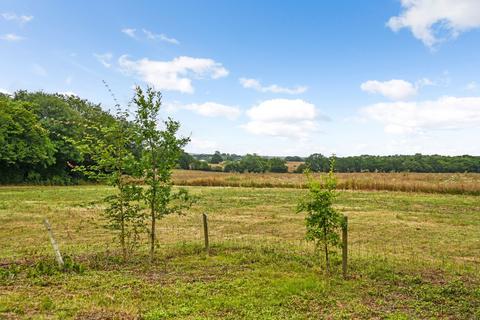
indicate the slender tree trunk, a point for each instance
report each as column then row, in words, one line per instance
column 122, row 236
column 327, row 260
column 152, row 203
column 153, row 231
column 122, row 214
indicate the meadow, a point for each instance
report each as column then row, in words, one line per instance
column 412, row 256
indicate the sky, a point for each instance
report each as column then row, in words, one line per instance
column 269, row 77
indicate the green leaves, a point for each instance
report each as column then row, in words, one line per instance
column 160, row 152
column 322, row 221
column 23, row 140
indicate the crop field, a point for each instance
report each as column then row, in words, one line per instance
column 411, row 256
column 452, row 183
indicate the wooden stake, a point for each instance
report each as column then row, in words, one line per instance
column 58, row 256
column 205, row 233
column 345, row 247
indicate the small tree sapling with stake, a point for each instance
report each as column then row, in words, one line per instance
column 161, row 149
column 323, row 222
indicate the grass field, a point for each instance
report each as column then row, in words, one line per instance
column 412, row 256
column 451, row 183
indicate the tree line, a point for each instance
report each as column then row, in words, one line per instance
column 39, row 135
column 395, row 163
column 320, row 163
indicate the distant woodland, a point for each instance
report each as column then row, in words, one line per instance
column 39, row 134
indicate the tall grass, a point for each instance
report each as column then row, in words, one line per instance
column 466, row 183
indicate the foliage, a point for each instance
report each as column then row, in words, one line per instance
column 294, row 158
column 277, row 165
column 253, row 163
column 216, row 158
column 301, row 168
column 115, row 163
column 200, row 165
column 365, row 163
column 62, row 121
column 232, row 166
column 24, row 143
column 161, row 150
column 322, row 221
column 397, row 163
column 185, row 161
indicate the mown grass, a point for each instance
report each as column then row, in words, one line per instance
column 412, row 256
column 449, row 183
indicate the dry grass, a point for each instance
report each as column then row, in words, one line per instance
column 293, row 165
column 447, row 183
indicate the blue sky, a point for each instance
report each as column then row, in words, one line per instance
column 271, row 77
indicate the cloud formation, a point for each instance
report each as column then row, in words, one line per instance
column 256, row 85
column 16, row 18
column 11, row 37
column 397, row 89
column 209, row 109
column 433, row 21
column 445, row 113
column 162, row 37
column 200, row 145
column 174, row 75
column 130, row 32
column 293, row 118
column 393, row 89
column 472, row 86
column 104, row 58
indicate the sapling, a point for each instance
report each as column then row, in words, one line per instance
column 323, row 222
column 160, row 151
column 112, row 161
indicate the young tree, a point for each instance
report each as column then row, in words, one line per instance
column 323, row 221
column 161, row 150
column 114, row 162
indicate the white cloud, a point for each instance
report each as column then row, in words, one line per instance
column 209, row 109
column 472, row 86
column 129, row 32
column 445, row 113
column 293, row 118
column 5, row 91
column 11, row 37
column 200, row 145
column 104, row 58
column 162, row 37
column 256, row 85
column 433, row 21
column 14, row 17
column 39, row 70
column 393, row 89
column 174, row 75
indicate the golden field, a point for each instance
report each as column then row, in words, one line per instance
column 451, row 183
